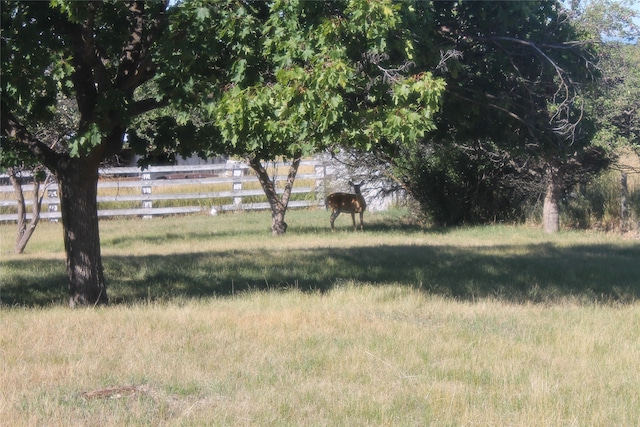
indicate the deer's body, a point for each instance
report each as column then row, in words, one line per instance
column 348, row 203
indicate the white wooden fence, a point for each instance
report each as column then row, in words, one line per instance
column 153, row 186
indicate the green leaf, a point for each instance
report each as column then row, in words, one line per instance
column 202, row 14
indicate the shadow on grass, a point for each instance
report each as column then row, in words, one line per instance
column 538, row 273
column 397, row 226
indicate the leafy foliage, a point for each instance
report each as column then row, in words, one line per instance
column 470, row 184
column 83, row 60
column 616, row 101
column 310, row 75
column 512, row 114
column 607, row 19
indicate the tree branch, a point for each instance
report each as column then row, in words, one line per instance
column 266, row 183
column 149, row 104
column 12, row 128
column 489, row 104
column 90, row 76
column 136, row 65
column 566, row 91
column 291, row 177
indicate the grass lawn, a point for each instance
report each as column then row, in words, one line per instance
column 214, row 322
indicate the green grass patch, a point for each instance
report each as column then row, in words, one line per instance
column 201, row 256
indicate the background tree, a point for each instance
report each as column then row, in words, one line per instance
column 616, row 101
column 97, row 54
column 515, row 75
column 20, row 163
column 615, row 104
column 40, row 179
column 607, row 20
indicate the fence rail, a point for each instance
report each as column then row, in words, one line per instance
column 172, row 190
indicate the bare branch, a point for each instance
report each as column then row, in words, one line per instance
column 389, row 75
column 488, row 104
column 145, row 105
column 565, row 98
column 446, row 56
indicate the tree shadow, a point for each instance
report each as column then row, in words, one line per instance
column 386, row 225
column 536, row 273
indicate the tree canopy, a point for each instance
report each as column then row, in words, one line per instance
column 513, row 110
column 615, row 103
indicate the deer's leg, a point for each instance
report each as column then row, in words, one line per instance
column 361, row 221
column 353, row 219
column 334, row 215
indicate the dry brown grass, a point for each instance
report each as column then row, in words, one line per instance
column 357, row 355
column 376, row 344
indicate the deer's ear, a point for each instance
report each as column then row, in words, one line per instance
column 351, row 183
column 362, row 183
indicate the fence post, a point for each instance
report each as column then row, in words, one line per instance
column 146, row 191
column 321, row 184
column 237, row 186
column 52, row 193
column 142, row 204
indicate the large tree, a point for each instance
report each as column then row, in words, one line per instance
column 298, row 77
column 516, row 73
column 97, row 54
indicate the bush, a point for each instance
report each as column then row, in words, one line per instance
column 598, row 204
column 467, row 185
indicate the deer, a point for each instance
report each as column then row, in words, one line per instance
column 348, row 203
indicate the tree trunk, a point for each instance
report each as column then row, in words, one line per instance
column 278, row 204
column 78, row 186
column 25, row 231
column 551, row 207
column 278, row 226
